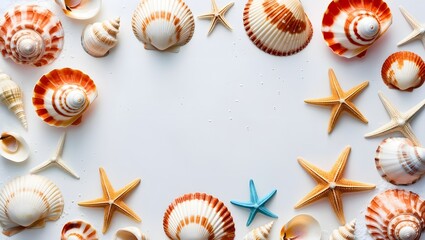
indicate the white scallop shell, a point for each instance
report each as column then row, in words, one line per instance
column 11, row 96
column 78, row 230
column 13, row 147
column 129, row 233
column 260, row 233
column 98, row 38
column 80, row 9
column 345, row 232
column 303, row 227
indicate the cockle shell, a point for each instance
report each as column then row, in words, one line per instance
column 164, row 25
column 198, row 216
column 100, row 37
column 13, row 147
column 345, row 232
column 78, row 230
column 62, row 95
column 303, row 227
column 129, row 233
column 31, row 34
column 29, row 202
column 80, row 9
column 403, row 71
column 260, row 233
column 351, row 27
column 11, row 96
column 278, row 27
column 396, row 215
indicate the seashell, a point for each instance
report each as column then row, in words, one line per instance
column 100, row 37
column 29, row 202
column 403, row 71
column 62, row 95
column 198, row 216
column 396, row 215
column 11, row 96
column 351, row 27
column 31, row 34
column 260, row 233
column 302, row 226
column 78, row 230
column 80, row 9
column 13, row 147
column 163, row 25
column 129, row 233
column 278, row 27
column 345, row 232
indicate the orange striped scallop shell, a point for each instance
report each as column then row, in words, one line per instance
column 78, row 230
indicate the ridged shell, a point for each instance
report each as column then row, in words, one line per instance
column 31, row 34
column 78, row 230
column 129, row 233
column 345, row 232
column 11, row 96
column 80, row 9
column 396, row 215
column 164, row 25
column 278, row 27
column 98, row 38
column 260, row 233
column 303, row 227
column 62, row 95
column 403, row 71
column 198, row 216
column 351, row 27
column 29, row 202
column 13, row 147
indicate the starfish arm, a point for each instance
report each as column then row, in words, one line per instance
column 336, row 202
column 336, row 112
column 214, row 6
column 122, row 193
column 267, row 198
column 106, row 184
column 59, row 149
column 389, row 107
column 339, row 166
column 414, row 110
column 99, row 202
column 407, row 131
column 409, row 18
column 387, row 128
column 41, row 167
column 317, row 193
column 122, row 207
column 253, row 192
column 206, row 15
column 267, row 212
column 225, row 22
column 318, row 174
column 335, row 87
column 212, row 25
column 226, row 8
column 323, row 101
column 108, row 212
column 251, row 216
column 355, row 112
column 242, row 204
column 62, row 165
column 356, row 90
column 345, row 185
column 414, row 35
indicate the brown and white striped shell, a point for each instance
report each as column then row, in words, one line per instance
column 31, row 34
column 98, row 38
column 345, row 232
column 62, row 96
column 13, row 147
column 260, row 233
column 11, row 96
column 164, row 25
column 302, row 226
column 129, row 233
column 78, row 230
column 351, row 27
column 198, row 216
column 278, row 27
column 396, row 215
column 80, row 9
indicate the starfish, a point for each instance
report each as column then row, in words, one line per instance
column 418, row 32
column 217, row 15
column 56, row 160
column 340, row 101
column 112, row 200
column 399, row 121
column 331, row 184
column 255, row 205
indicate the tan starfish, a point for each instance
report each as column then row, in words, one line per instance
column 340, row 101
column 112, row 200
column 331, row 184
column 418, row 32
column 399, row 121
column 217, row 15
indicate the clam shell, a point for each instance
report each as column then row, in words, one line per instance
column 351, row 27
column 198, row 216
column 11, row 96
column 403, row 71
column 98, row 38
column 278, row 27
column 31, row 34
column 62, row 95
column 80, row 9
column 163, row 25
column 303, row 227
column 13, row 147
column 260, row 233
column 345, row 232
column 129, row 233
column 78, row 230
column 29, row 202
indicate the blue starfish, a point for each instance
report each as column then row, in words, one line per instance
column 256, row 205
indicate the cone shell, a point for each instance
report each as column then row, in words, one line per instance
column 100, row 37
column 11, row 96
column 302, row 226
column 61, row 96
column 198, row 216
column 403, row 71
column 345, row 232
column 396, row 215
column 351, row 27
column 129, row 233
column 31, row 34
column 260, row 233
column 163, row 25
column 28, row 202
column 13, row 147
column 78, row 230
column 80, row 9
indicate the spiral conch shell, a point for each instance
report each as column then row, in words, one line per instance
column 345, row 232
column 260, row 233
column 100, row 37
column 13, row 147
column 11, row 96
column 80, row 9
column 31, row 34
column 129, row 233
column 78, row 230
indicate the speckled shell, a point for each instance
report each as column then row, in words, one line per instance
column 29, row 202
column 260, row 233
column 78, row 230
column 163, row 25
column 345, row 232
column 98, row 38
column 13, row 147
column 403, row 71
column 61, row 96
column 396, row 215
column 80, row 9
column 351, row 27
column 31, row 34
column 129, row 233
column 11, row 96
column 278, row 27
column 198, row 216
column 303, row 227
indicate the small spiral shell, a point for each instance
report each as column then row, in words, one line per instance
column 100, row 37
column 260, row 233
column 78, row 230
column 11, row 96
column 345, row 232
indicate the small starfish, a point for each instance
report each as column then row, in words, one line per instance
column 216, row 15
column 340, row 100
column 112, row 200
column 399, row 121
column 418, row 32
column 255, row 205
column 56, row 160
column 331, row 184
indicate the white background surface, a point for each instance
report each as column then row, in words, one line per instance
column 210, row 118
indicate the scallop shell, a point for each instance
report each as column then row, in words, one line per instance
column 403, row 71
column 163, row 25
column 78, row 230
column 260, row 233
column 198, row 216
column 31, row 34
column 98, row 38
column 278, row 27
column 396, row 215
column 13, row 147
column 302, row 226
column 351, row 27
column 129, row 233
column 80, row 9
column 345, row 232
column 29, row 202
column 61, row 96
column 11, row 96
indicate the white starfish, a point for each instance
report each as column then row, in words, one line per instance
column 418, row 32
column 56, row 160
